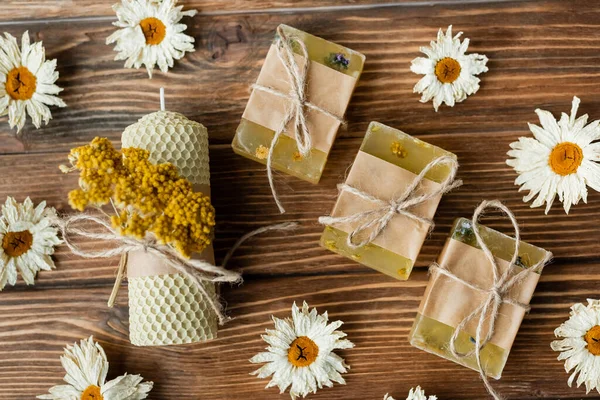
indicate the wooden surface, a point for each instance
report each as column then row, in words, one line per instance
column 541, row 54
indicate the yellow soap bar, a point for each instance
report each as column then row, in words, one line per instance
column 434, row 336
column 253, row 138
column 401, row 150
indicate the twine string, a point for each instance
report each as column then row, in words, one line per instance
column 297, row 102
column 497, row 294
column 376, row 221
column 199, row 271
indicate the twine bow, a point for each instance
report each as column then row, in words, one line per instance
column 375, row 221
column 296, row 98
column 199, row 271
column 497, row 294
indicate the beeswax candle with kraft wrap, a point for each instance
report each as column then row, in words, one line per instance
column 166, row 306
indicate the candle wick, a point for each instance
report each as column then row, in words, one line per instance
column 162, row 99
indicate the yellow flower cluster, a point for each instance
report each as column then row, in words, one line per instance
column 152, row 198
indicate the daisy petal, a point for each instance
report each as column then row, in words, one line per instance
column 450, row 74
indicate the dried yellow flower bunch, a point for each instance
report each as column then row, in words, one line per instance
column 150, row 198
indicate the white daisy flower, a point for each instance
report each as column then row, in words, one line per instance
column 27, row 240
column 86, row 368
column 560, row 159
column 150, row 33
column 581, row 344
column 300, row 353
column 414, row 394
column 26, row 82
column 449, row 72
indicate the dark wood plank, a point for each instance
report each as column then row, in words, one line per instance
column 537, row 59
column 377, row 312
column 49, row 9
column 243, row 202
column 541, row 53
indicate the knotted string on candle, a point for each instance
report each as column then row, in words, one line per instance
column 497, row 294
column 297, row 100
column 198, row 271
column 375, row 221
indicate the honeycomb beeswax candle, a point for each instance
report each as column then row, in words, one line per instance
column 452, row 307
column 380, row 219
column 165, row 306
column 296, row 106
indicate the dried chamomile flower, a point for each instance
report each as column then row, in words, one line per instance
column 87, row 367
column 151, row 198
column 300, row 353
column 561, row 159
column 26, row 82
column 27, row 240
column 450, row 74
column 414, row 394
column 150, row 33
column 580, row 346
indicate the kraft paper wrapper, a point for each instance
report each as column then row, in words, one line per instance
column 165, row 306
column 326, row 88
column 449, row 301
column 386, row 181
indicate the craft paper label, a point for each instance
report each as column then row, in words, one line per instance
column 386, row 181
column 450, row 301
column 326, row 88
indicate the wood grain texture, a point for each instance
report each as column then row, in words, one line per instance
column 378, row 313
column 23, row 10
column 541, row 54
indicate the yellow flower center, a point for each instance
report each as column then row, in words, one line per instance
column 92, row 392
column 303, row 352
column 592, row 337
column 565, row 158
column 20, row 83
column 15, row 244
column 447, row 70
column 154, row 30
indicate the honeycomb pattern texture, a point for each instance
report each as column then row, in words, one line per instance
column 169, row 309
column 171, row 137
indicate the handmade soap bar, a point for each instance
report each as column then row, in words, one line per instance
column 447, row 301
column 386, row 165
column 329, row 82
